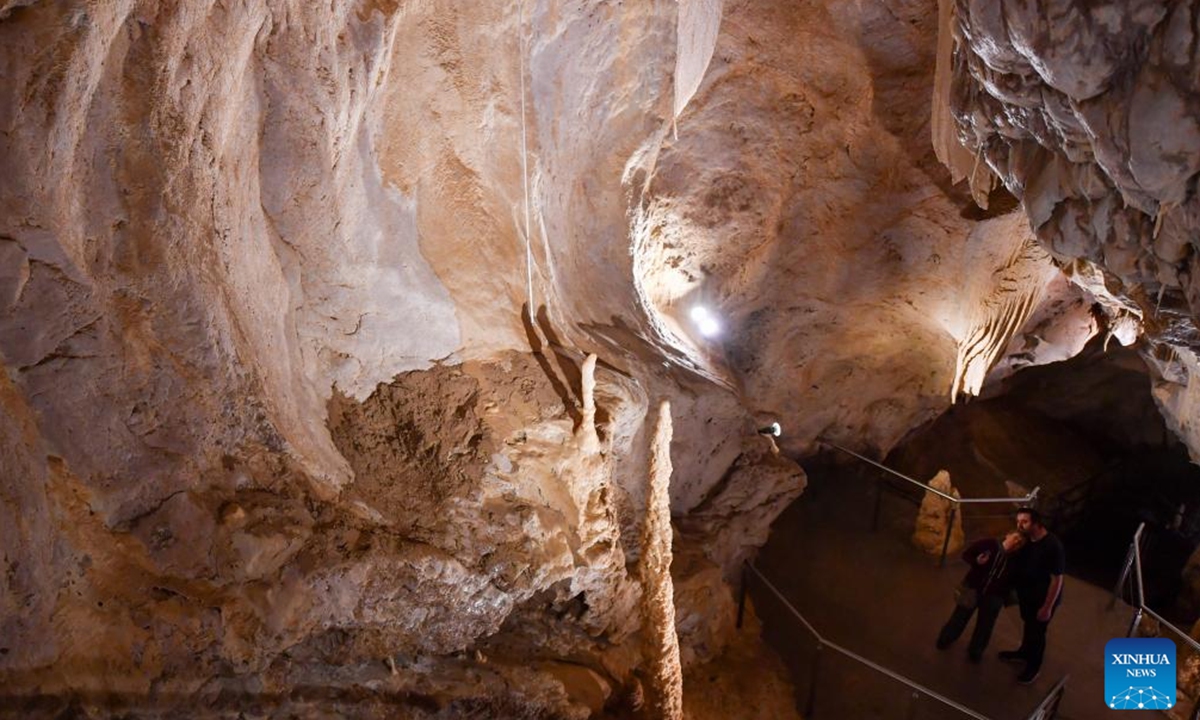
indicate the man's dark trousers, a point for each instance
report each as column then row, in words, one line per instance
column 1033, row 640
column 989, row 609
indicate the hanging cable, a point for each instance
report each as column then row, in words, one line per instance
column 525, row 161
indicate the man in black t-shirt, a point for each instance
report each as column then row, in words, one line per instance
column 1039, row 581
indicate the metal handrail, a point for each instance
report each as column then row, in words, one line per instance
column 1137, row 560
column 1048, row 707
column 1029, row 498
column 825, row 642
column 1142, row 607
column 954, row 508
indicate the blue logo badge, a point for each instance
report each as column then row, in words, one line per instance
column 1139, row 674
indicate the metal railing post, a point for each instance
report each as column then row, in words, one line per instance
column 1053, row 713
column 823, row 643
column 949, row 529
column 1140, row 608
column 913, row 705
column 1137, row 619
column 1137, row 559
column 1047, row 709
column 742, row 596
column 812, row 683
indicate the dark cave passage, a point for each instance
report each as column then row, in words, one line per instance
column 1088, row 433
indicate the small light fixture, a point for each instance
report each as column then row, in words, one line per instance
column 705, row 322
column 773, row 430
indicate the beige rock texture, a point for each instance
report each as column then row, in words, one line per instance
column 934, row 519
column 1189, row 594
column 329, row 330
column 1087, row 112
column 1187, row 677
column 1057, row 330
column 734, row 517
column 744, row 682
column 664, row 672
column 865, row 288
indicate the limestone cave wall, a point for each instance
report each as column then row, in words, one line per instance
column 299, row 299
column 1088, row 113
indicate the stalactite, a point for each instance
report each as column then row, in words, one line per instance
column 1016, row 290
column 962, row 163
column 696, row 35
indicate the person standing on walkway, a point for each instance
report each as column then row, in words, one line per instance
column 1039, row 582
column 984, row 588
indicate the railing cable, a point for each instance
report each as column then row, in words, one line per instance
column 525, row 162
column 1141, row 608
column 825, row 642
column 1029, row 498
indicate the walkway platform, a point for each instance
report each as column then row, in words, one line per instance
column 877, row 595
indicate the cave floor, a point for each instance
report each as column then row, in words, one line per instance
column 877, row 595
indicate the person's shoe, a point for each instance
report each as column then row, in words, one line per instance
column 941, row 645
column 1012, row 656
column 1028, row 677
column 975, row 658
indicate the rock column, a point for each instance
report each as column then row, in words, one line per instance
column 665, row 696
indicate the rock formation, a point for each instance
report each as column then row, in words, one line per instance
column 938, row 516
column 1188, row 678
column 1087, row 112
column 329, row 331
column 658, row 592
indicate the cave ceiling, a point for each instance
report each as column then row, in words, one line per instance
column 298, row 300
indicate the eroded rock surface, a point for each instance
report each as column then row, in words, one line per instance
column 936, row 526
column 484, row 518
column 298, row 301
column 1088, row 112
column 803, row 205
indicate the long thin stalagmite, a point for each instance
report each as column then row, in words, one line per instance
column 589, row 441
column 665, row 699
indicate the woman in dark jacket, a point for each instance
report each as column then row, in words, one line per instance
column 984, row 588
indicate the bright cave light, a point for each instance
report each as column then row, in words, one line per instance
column 705, row 322
column 773, row 430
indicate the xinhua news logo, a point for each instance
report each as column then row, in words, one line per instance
column 1139, row 674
